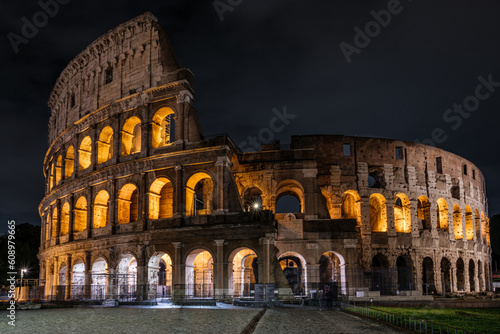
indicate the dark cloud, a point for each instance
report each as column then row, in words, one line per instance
column 265, row 55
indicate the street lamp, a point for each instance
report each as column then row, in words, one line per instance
column 22, row 275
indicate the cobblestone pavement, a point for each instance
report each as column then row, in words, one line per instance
column 221, row 319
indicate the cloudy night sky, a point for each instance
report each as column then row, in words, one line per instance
column 271, row 54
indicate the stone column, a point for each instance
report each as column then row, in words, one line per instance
column 88, row 275
column 94, row 147
column 71, row 201
column 438, row 280
column 90, row 211
column 143, row 214
column 309, row 202
column 180, row 136
column 179, row 205
column 142, row 275
column 179, row 284
column 220, row 287
column 58, row 224
column 221, row 164
column 466, row 274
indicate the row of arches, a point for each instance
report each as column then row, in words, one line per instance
column 162, row 134
column 199, row 201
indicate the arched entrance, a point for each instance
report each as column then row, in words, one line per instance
column 428, row 285
column 480, row 275
column 99, row 278
column 446, row 275
column 332, row 273
column 405, row 273
column 245, row 272
column 381, row 279
column 294, row 268
column 472, row 281
column 61, row 287
column 78, row 280
column 199, row 274
column 160, row 275
column 460, row 275
column 125, row 278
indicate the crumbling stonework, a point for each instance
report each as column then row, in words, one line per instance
column 139, row 204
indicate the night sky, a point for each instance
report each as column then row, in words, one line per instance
column 274, row 54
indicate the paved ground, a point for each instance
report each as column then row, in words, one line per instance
column 220, row 319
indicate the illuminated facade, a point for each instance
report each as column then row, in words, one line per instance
column 139, row 204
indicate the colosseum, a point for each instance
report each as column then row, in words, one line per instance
column 140, row 205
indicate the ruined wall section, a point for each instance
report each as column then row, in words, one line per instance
column 130, row 58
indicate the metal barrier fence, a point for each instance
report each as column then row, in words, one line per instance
column 408, row 323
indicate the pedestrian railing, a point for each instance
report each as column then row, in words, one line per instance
column 408, row 323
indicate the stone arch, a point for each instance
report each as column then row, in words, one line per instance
column 252, row 199
column 128, row 204
column 381, row 278
column 402, row 213
column 80, row 215
column 332, row 270
column 424, row 212
column 125, row 279
column 244, row 271
column 161, row 198
column 446, row 275
column 404, row 266
column 65, row 219
column 297, row 276
column 101, row 209
column 291, row 188
column 160, row 267
column 460, row 274
column 477, row 224
column 105, row 145
column 472, row 276
column 199, row 273
column 428, row 283
column 480, row 275
column 163, row 127
column 54, row 223
column 99, row 278
column 78, row 279
column 457, row 222
column 469, row 223
column 85, row 153
column 58, row 169
column 483, row 227
column 131, row 136
column 351, row 206
column 199, row 194
column 378, row 213
column 69, row 162
column 442, row 214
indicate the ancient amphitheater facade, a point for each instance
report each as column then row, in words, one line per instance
column 139, row 204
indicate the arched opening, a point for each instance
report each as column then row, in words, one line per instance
column 457, row 222
column 48, row 224
column 477, row 224
column 294, row 268
column 446, row 275
column 351, row 206
column 428, row 285
column 101, row 209
column 80, row 211
column 460, row 275
column 131, row 136
column 99, row 278
column 332, row 275
column 252, row 199
column 160, row 275
column 487, row 282
column 480, row 275
column 424, row 212
column 161, row 197
column 69, row 162
column 469, row 223
column 78, row 280
column 483, row 227
column 442, row 214
column 54, row 223
column 199, row 274
column 125, row 279
column 402, row 214
column 289, row 197
column 105, row 145
column 65, row 219
column 199, row 194
column 378, row 213
column 405, row 273
column 245, row 273
column 51, row 174
column 58, row 169
column 85, row 153
column 472, row 275
column 163, row 127
column 128, row 204
column 381, row 279
column 62, row 280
